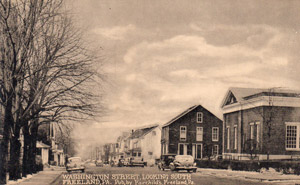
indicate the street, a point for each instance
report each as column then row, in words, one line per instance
column 147, row 175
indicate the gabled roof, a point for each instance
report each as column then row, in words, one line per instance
column 123, row 136
column 180, row 115
column 240, row 93
column 246, row 93
column 142, row 131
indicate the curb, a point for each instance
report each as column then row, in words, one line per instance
column 260, row 179
column 269, row 180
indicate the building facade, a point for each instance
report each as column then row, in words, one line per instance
column 261, row 123
column 145, row 143
column 122, row 149
column 195, row 132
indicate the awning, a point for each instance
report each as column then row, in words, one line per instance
column 41, row 145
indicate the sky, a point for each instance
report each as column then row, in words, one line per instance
column 161, row 57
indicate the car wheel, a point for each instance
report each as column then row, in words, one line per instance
column 194, row 170
column 68, row 171
column 163, row 169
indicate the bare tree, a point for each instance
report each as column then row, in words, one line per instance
column 46, row 75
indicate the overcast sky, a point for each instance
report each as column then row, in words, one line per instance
column 164, row 56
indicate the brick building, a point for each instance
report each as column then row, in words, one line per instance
column 264, row 123
column 195, row 132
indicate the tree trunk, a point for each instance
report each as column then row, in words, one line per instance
column 32, row 147
column 4, row 153
column 8, row 121
column 14, row 163
column 25, row 166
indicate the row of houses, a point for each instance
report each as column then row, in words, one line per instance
column 143, row 142
column 49, row 148
column 257, row 123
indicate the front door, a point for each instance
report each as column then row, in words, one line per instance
column 182, row 149
column 198, row 151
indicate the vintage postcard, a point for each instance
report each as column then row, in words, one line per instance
column 139, row 92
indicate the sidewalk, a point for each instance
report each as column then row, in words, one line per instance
column 257, row 176
column 45, row 177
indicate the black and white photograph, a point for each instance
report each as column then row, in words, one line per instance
column 149, row 92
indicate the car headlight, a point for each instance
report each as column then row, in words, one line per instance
column 195, row 164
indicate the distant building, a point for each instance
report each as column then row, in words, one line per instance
column 43, row 151
column 57, row 156
column 122, row 145
column 196, row 132
column 145, row 143
column 261, row 123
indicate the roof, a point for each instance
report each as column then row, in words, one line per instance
column 41, row 145
column 123, row 136
column 240, row 93
column 247, row 93
column 180, row 115
column 142, row 131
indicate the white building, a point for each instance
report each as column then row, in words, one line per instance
column 145, row 143
column 43, row 151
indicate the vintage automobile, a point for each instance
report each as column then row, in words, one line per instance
column 75, row 164
column 126, row 161
column 183, row 162
column 121, row 163
column 136, row 161
column 99, row 163
column 165, row 161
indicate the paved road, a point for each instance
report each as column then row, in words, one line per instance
column 147, row 175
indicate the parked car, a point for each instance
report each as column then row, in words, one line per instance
column 137, row 161
column 121, row 163
column 75, row 164
column 126, row 161
column 217, row 158
column 165, row 160
column 113, row 163
column 99, row 163
column 183, row 162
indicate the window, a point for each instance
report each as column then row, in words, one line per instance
column 292, row 135
column 228, row 137
column 199, row 134
column 199, row 117
column 251, row 130
column 182, row 133
column 257, row 133
column 135, row 144
column 215, row 134
column 215, row 150
column 235, row 137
